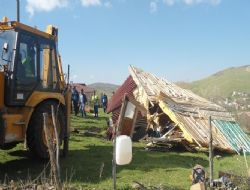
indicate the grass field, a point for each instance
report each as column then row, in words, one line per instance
column 88, row 155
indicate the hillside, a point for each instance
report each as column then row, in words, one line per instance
column 229, row 88
column 223, row 83
column 104, row 88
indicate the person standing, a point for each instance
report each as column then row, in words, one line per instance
column 104, row 102
column 83, row 101
column 71, row 103
column 75, row 99
column 95, row 101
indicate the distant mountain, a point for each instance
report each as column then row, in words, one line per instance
column 229, row 88
column 221, row 84
column 104, row 88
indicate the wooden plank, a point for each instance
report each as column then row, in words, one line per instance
column 172, row 116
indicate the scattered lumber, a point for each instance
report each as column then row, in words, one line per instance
column 235, row 178
column 167, row 105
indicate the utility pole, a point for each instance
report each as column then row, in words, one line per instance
column 17, row 10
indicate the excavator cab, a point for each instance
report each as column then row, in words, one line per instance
column 31, row 81
column 26, row 55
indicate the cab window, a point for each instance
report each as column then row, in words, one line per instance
column 48, row 72
column 27, row 59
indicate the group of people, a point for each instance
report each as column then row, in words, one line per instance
column 79, row 102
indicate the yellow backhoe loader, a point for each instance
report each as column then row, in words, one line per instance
column 31, row 80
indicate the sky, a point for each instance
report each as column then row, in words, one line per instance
column 180, row 40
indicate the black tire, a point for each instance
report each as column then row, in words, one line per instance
column 35, row 132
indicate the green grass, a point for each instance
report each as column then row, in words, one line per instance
column 90, row 121
column 88, row 154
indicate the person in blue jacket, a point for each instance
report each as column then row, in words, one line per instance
column 75, row 100
column 104, row 102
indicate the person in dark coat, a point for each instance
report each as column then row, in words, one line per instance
column 83, row 101
column 75, row 100
column 104, row 102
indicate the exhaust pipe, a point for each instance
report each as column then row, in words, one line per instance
column 18, row 10
column 68, row 75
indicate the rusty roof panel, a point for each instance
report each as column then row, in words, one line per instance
column 116, row 100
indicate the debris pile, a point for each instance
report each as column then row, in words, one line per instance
column 173, row 116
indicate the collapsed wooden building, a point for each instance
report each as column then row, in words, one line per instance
column 177, row 115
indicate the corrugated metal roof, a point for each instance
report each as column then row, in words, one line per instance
column 115, row 114
column 116, row 100
column 235, row 136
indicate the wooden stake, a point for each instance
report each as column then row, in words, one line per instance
column 55, row 123
column 211, row 163
column 54, row 120
column 51, row 150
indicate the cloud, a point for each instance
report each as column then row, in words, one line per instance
column 33, row 6
column 153, row 7
column 169, row 2
column 191, row 2
column 215, row 2
column 108, row 4
column 89, row 3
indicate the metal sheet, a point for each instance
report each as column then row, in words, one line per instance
column 235, row 136
column 116, row 100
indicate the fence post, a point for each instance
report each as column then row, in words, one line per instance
column 51, row 150
column 211, row 163
column 117, row 128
